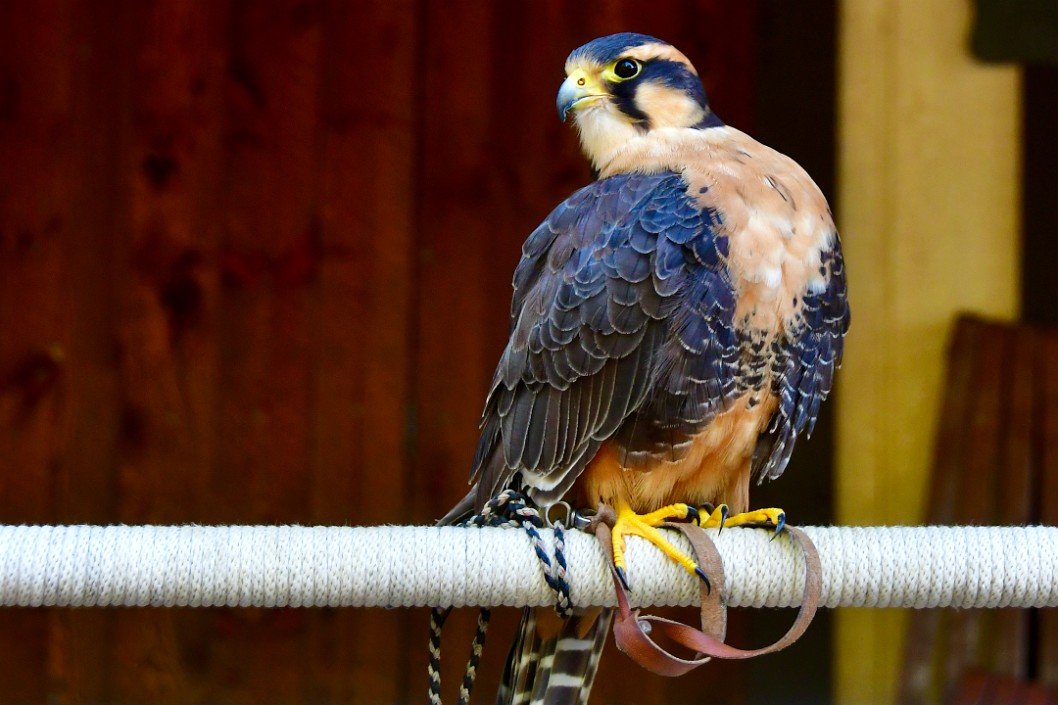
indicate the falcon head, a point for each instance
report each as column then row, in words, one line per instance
column 624, row 85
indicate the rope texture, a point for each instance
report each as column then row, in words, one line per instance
column 279, row 566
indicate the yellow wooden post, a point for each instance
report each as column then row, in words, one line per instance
column 929, row 170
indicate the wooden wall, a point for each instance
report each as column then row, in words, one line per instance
column 254, row 267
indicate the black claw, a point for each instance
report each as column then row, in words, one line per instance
column 781, row 523
column 705, row 579
column 723, row 518
column 694, row 515
column 623, row 578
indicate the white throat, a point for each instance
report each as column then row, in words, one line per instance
column 603, row 130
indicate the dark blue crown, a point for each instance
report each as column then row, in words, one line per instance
column 605, row 49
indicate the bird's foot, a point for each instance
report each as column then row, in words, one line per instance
column 629, row 523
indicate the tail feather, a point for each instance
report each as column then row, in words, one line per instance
column 522, row 662
column 549, row 666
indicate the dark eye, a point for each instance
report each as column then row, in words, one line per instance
column 626, row 68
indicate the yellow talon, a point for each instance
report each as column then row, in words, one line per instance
column 644, row 525
column 659, row 516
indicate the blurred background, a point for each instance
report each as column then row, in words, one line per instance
column 255, row 263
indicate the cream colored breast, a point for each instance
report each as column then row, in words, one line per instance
column 777, row 223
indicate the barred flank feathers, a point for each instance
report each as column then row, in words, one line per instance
column 557, row 669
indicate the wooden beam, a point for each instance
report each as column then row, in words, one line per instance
column 929, row 167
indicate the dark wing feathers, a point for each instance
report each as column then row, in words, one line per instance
column 803, row 364
column 594, row 300
column 697, row 373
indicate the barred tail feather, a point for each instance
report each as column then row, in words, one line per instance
column 554, row 667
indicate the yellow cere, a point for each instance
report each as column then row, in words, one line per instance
column 585, row 81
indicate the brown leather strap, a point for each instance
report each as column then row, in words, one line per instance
column 632, row 631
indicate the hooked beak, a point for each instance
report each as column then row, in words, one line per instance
column 577, row 90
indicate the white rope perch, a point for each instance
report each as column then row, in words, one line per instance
column 277, row 566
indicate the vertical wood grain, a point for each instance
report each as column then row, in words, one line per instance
column 171, row 178
column 35, row 229
column 270, row 263
column 362, row 320
column 457, row 245
column 84, row 484
column 458, row 242
column 169, row 175
column 269, row 258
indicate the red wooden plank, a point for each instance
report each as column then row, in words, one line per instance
column 33, row 296
column 459, row 201
column 87, row 482
column 168, row 173
column 543, row 165
column 363, row 324
column 269, row 259
column 35, row 75
column 1017, row 474
column 1005, row 690
column 982, row 437
column 169, row 168
column 456, row 209
column 949, row 450
column 269, row 268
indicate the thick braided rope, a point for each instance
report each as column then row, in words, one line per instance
column 281, row 566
